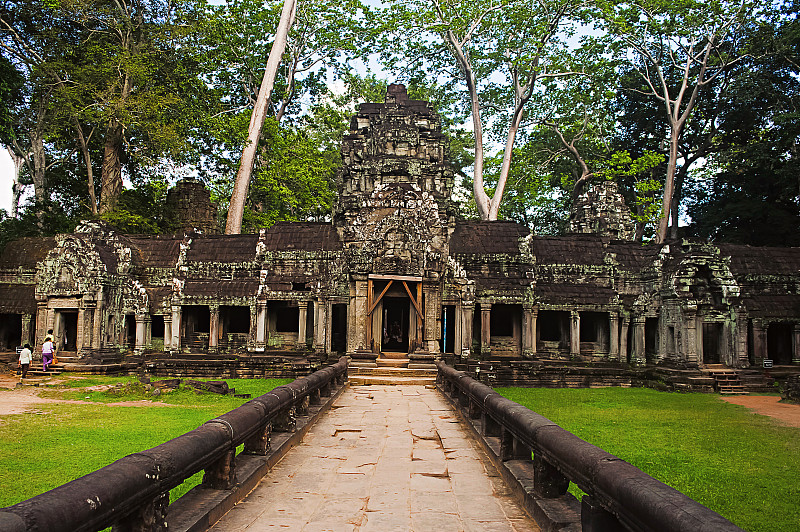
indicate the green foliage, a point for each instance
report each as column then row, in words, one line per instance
column 712, row 451
column 294, row 179
column 621, row 167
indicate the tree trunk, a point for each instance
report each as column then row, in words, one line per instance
column 111, row 177
column 242, row 183
column 16, row 187
column 669, row 183
column 494, row 206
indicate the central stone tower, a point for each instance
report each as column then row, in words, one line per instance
column 394, row 216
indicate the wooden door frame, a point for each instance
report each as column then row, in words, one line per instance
column 372, row 304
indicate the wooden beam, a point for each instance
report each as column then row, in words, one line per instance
column 375, row 303
column 413, row 300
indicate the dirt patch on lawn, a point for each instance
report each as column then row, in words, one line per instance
column 769, row 405
column 19, row 400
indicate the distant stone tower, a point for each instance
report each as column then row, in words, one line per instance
column 601, row 210
column 190, row 208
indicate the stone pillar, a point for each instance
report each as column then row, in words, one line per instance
column 97, row 326
column 432, row 319
column 167, row 333
column 796, row 344
column 486, row 329
column 261, row 325
column 690, row 317
column 320, row 306
column 759, row 341
column 623, row 339
column 28, row 330
column 638, row 354
column 529, row 313
column 467, row 312
column 175, row 344
column 141, row 331
column 213, row 327
column 80, row 338
column 302, row 323
column 613, row 343
column 575, row 333
column 357, row 317
column 328, row 326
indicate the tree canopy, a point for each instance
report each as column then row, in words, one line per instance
column 690, row 106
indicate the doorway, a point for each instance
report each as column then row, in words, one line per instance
column 395, row 324
column 712, row 343
column 68, row 331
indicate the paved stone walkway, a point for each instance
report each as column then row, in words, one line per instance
column 384, row 458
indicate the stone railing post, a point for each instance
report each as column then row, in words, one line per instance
column 548, row 482
column 221, row 475
column 151, row 517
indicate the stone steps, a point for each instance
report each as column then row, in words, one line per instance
column 393, row 370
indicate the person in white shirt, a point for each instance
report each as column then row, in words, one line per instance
column 25, row 357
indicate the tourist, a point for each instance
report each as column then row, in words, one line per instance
column 25, row 357
column 47, row 352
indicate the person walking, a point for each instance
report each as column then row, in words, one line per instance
column 47, row 352
column 25, row 358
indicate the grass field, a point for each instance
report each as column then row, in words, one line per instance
column 742, row 465
column 60, row 442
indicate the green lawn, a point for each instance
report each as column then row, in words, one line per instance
column 60, row 442
column 742, row 465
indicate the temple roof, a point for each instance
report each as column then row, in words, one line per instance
column 479, row 237
column 302, row 236
column 17, row 298
column 26, row 252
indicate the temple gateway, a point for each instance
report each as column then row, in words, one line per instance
column 396, row 271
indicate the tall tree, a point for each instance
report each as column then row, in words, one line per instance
column 692, row 42
column 242, row 182
column 500, row 52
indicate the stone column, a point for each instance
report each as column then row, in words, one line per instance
column 302, row 323
column 623, row 339
column 97, row 327
column 638, row 354
column 357, row 317
column 141, row 331
column 319, row 325
column 467, row 311
column 575, row 333
column 529, row 313
column 486, row 329
column 28, row 330
column 432, row 319
column 261, row 324
column 167, row 333
column 690, row 317
column 213, row 327
column 175, row 344
column 328, row 326
column 759, row 341
column 613, row 343
column 80, row 338
column 796, row 344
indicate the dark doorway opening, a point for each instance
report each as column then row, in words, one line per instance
column 395, row 324
column 712, row 343
column 779, row 343
column 235, row 319
column 69, row 331
column 448, row 340
column 651, row 339
column 130, row 330
column 553, row 326
column 339, row 328
column 10, row 331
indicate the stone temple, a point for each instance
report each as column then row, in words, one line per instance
column 396, row 271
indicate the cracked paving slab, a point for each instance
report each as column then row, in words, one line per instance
column 385, row 458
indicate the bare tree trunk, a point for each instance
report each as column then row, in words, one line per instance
column 111, row 177
column 494, row 205
column 16, row 187
column 669, row 184
column 242, row 183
